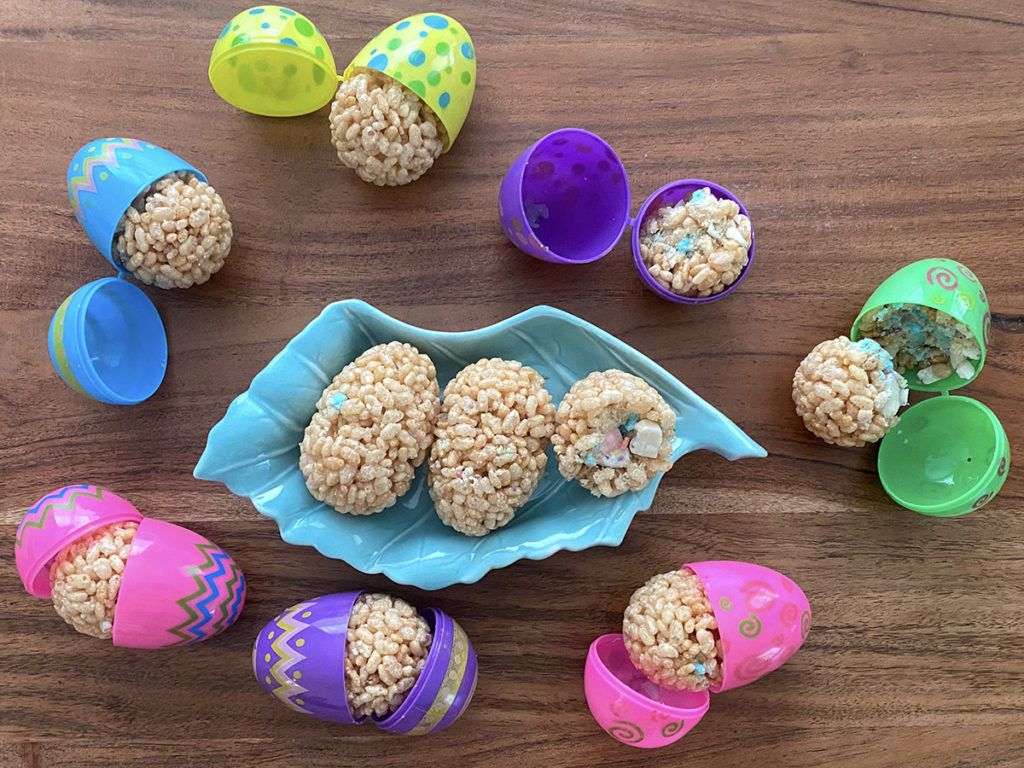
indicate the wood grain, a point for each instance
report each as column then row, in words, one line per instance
column 861, row 136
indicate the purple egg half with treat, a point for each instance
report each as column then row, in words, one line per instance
column 352, row 656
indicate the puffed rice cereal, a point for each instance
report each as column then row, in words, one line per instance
column 923, row 339
column 696, row 248
column 372, row 428
column 383, row 131
column 671, row 634
column 848, row 393
column 86, row 577
column 495, row 424
column 613, row 433
column 385, row 651
column 175, row 234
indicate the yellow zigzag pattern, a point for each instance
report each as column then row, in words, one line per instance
column 288, row 656
column 86, row 181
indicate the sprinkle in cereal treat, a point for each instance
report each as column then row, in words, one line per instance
column 175, row 234
column 372, row 428
column 495, row 424
column 86, row 577
column 848, row 393
column 923, row 339
column 383, row 131
column 385, row 650
column 614, row 433
column 696, row 248
column 671, row 634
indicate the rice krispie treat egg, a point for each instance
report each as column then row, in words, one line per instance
column 86, row 576
column 386, row 649
column 175, row 234
column 372, row 428
column 614, row 433
column 671, row 634
column 848, row 392
column 495, row 424
column 696, row 248
column 383, row 131
column 923, row 339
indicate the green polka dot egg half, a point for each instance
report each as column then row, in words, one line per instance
column 433, row 56
column 273, row 61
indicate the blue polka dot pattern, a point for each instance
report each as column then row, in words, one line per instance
column 255, row 11
column 289, row 41
column 423, row 34
column 416, row 58
column 467, row 50
column 224, row 31
column 444, row 99
column 264, row 25
column 403, row 24
column 435, row 22
column 287, row 11
column 380, row 61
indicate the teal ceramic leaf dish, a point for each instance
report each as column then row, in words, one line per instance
column 254, row 449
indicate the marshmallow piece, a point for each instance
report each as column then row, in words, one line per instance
column 647, row 439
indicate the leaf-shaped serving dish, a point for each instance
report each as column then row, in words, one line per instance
column 254, row 449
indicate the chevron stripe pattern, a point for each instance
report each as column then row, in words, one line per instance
column 288, row 689
column 217, row 599
column 65, row 498
column 104, row 156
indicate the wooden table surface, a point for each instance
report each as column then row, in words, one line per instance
column 861, row 136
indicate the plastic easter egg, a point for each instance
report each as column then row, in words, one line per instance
column 433, row 56
column 177, row 587
column 299, row 658
column 58, row 519
column 106, row 175
column 763, row 618
column 272, row 61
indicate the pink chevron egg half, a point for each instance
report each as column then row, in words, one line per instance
column 763, row 618
column 58, row 519
column 178, row 588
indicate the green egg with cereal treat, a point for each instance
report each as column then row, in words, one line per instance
column 404, row 99
column 373, row 426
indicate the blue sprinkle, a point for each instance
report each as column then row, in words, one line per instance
column 697, row 195
column 630, row 424
column 435, row 22
column 337, row 400
column 289, row 41
column 657, row 237
column 443, row 99
column 403, row 24
column 700, row 668
column 416, row 58
column 590, row 460
column 264, row 25
column 256, row 11
column 467, row 50
column 380, row 61
column 287, row 12
column 685, row 244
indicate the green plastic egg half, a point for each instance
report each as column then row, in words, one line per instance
column 433, row 56
column 272, row 61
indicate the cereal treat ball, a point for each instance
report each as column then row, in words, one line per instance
column 495, row 424
column 923, row 339
column 176, row 234
column 383, row 131
column 847, row 392
column 86, row 577
column 696, row 248
column 671, row 634
column 372, row 428
column 385, row 651
column 614, row 433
